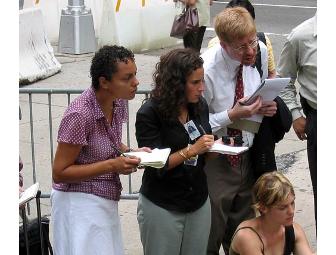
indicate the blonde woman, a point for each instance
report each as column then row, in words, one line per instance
column 274, row 231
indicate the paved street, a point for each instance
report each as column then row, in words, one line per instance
column 275, row 17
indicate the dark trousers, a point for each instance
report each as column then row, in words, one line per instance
column 230, row 192
column 311, row 132
column 194, row 39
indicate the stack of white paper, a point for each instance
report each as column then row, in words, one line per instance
column 29, row 194
column 226, row 149
column 157, row 158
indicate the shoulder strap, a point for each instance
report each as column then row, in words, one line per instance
column 263, row 247
column 289, row 240
column 261, row 37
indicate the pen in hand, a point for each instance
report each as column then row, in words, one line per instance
column 202, row 129
column 119, row 152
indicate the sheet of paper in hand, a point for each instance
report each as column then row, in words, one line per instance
column 29, row 194
column 268, row 90
column 157, row 158
column 227, row 149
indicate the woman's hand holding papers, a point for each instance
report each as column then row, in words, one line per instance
column 124, row 165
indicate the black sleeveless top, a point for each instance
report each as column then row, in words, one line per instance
column 289, row 240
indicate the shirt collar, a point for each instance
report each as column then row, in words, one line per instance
column 232, row 64
column 98, row 113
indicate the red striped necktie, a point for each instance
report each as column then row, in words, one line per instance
column 234, row 160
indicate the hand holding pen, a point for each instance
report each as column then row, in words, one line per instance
column 124, row 164
column 203, row 144
column 129, row 164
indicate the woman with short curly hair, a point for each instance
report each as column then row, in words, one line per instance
column 86, row 185
column 174, row 208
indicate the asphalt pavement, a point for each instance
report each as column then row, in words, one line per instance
column 274, row 17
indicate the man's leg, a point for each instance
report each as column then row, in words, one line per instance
column 312, row 155
column 224, row 183
column 241, row 208
column 311, row 132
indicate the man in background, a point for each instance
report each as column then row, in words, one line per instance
column 298, row 60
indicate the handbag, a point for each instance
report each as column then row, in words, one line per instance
column 34, row 240
column 185, row 22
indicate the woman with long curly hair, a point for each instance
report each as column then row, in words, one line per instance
column 174, row 208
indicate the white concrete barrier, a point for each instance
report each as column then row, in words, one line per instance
column 134, row 26
column 137, row 27
column 37, row 60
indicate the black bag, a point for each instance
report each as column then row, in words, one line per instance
column 34, row 240
column 185, row 22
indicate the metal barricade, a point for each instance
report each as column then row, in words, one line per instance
column 30, row 92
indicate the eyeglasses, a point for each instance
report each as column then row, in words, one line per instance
column 243, row 48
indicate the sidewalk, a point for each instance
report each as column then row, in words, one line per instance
column 291, row 153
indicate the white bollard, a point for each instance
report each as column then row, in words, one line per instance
column 37, row 59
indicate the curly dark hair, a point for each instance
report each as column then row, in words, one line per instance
column 104, row 62
column 170, row 78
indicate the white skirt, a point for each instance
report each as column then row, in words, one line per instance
column 85, row 224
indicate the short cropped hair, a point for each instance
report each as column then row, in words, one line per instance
column 105, row 62
column 233, row 24
column 271, row 189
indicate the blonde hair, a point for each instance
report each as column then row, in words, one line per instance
column 270, row 189
column 233, row 24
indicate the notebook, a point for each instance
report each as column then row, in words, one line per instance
column 226, row 149
column 29, row 194
column 157, row 158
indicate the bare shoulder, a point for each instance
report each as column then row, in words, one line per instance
column 246, row 240
column 302, row 246
column 298, row 230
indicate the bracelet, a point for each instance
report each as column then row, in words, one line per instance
column 180, row 152
column 187, row 152
column 129, row 150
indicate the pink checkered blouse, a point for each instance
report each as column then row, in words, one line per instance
column 84, row 123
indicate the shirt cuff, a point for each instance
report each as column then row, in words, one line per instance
column 219, row 120
column 296, row 114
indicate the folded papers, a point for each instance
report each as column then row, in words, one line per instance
column 157, row 158
column 227, row 149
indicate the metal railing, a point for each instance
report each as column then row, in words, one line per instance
column 68, row 92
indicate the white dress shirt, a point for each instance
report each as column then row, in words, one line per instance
column 220, row 72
